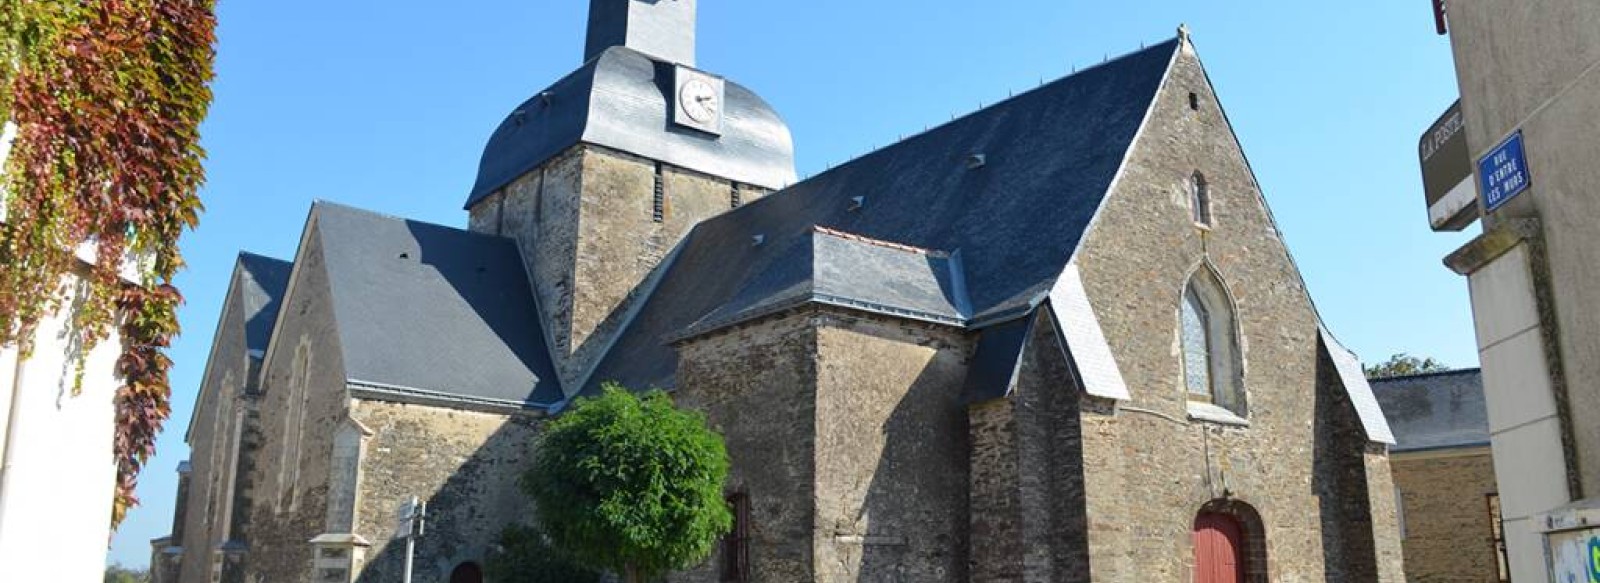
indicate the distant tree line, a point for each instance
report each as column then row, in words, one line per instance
column 1403, row 364
column 121, row 574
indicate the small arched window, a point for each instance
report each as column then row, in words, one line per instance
column 1200, row 199
column 1211, row 363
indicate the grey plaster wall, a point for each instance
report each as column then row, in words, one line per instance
column 1536, row 67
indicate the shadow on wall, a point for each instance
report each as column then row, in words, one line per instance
column 1340, row 481
column 913, row 520
column 475, row 500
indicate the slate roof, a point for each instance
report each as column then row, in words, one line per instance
column 260, row 283
column 1354, row 379
column 432, row 311
column 263, row 280
column 992, row 372
column 836, row 268
column 622, row 99
column 1435, row 411
column 1048, row 157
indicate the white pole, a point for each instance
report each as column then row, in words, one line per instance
column 411, row 545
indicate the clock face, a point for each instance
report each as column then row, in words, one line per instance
column 698, row 99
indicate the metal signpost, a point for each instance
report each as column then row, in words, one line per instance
column 1503, row 173
column 409, row 524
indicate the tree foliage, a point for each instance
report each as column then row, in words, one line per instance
column 631, row 484
column 1404, row 364
column 121, row 574
column 107, row 97
column 527, row 557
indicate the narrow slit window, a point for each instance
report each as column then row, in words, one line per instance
column 1200, row 199
column 659, row 201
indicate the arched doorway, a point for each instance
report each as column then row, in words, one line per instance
column 467, row 573
column 1218, row 549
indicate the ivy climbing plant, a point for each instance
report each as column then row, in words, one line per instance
column 106, row 99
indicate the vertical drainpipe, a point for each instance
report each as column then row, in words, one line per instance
column 11, row 429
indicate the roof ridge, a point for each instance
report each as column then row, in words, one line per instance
column 322, row 202
column 243, row 253
column 1423, row 375
column 1018, row 95
column 935, row 253
column 935, row 128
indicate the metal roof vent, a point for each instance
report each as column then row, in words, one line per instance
column 856, row 202
column 757, row 240
column 976, row 161
column 546, row 97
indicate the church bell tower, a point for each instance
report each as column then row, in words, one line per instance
column 599, row 176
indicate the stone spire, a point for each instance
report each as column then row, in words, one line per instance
column 663, row 29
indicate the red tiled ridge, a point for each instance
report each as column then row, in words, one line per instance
column 880, row 243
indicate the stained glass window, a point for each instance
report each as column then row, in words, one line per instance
column 1196, row 347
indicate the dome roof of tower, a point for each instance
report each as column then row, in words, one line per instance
column 622, row 100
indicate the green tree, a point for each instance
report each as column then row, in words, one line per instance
column 1404, row 364
column 631, row 484
column 121, row 574
column 526, row 557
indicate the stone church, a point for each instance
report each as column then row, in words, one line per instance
column 1058, row 339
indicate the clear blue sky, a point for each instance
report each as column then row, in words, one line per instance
column 386, row 105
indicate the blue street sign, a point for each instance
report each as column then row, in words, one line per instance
column 1503, row 172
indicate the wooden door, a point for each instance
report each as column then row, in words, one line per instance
column 1218, row 547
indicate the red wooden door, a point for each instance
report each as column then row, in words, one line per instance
column 1218, row 542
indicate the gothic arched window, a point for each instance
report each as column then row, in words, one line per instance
column 1200, row 199
column 1211, row 363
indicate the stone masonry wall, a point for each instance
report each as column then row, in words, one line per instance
column 211, row 455
column 464, row 465
column 1148, row 467
column 891, row 451
column 288, row 506
column 1446, row 509
column 1050, row 477
column 1028, row 521
column 995, row 509
column 1384, row 514
column 586, row 222
column 757, row 385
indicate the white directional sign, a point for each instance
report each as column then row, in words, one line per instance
column 408, row 517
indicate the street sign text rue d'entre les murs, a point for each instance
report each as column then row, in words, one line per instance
column 1503, row 173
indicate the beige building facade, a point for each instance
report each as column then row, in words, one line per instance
column 1531, row 72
